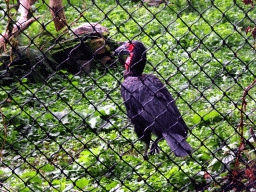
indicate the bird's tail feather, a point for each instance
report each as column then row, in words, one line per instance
column 178, row 144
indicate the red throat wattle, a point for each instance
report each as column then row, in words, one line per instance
column 128, row 61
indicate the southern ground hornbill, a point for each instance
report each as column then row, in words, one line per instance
column 149, row 104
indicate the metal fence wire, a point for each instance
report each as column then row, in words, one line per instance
column 64, row 125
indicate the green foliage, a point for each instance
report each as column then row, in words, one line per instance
column 78, row 123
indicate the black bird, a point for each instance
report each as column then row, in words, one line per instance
column 149, row 104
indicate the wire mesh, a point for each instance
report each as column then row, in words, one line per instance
column 64, row 125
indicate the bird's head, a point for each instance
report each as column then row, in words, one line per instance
column 136, row 60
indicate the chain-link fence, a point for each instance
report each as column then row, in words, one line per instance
column 64, row 125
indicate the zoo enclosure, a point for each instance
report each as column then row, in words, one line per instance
column 64, row 126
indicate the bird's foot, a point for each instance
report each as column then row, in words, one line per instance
column 154, row 149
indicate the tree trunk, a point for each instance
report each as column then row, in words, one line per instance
column 58, row 14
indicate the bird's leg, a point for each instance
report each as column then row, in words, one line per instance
column 146, row 151
column 154, row 146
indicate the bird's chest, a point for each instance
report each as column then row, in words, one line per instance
column 136, row 91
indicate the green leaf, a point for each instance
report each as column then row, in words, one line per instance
column 48, row 168
column 29, row 174
column 203, row 115
column 81, row 183
column 36, row 180
column 75, row 83
column 70, row 76
column 63, row 184
column 24, row 80
column 112, row 185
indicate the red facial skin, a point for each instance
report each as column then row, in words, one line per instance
column 128, row 61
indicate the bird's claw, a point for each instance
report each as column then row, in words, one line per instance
column 154, row 149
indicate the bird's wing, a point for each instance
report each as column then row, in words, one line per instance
column 163, row 95
column 134, row 101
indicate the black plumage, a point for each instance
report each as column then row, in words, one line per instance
column 149, row 104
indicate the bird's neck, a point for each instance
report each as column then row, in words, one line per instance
column 129, row 73
column 130, row 69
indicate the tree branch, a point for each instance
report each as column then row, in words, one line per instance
column 58, row 14
column 23, row 22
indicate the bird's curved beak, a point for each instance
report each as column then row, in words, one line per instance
column 122, row 50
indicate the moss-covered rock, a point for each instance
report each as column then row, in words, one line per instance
column 81, row 50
